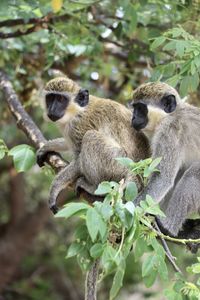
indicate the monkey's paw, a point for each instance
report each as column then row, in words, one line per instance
column 54, row 209
column 42, row 156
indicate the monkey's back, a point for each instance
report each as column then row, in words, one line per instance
column 114, row 121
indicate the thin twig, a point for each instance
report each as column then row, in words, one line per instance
column 50, row 18
column 167, row 251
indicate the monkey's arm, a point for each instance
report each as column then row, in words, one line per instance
column 167, row 147
column 50, row 146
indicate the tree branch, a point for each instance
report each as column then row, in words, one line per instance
column 91, row 282
column 50, row 18
column 25, row 123
column 19, row 32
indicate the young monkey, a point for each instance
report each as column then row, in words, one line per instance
column 172, row 128
column 96, row 131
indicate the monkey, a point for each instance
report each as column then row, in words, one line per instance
column 172, row 128
column 95, row 131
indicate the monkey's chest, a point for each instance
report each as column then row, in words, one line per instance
column 74, row 136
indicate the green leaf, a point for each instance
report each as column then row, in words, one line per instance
column 162, row 268
column 74, row 249
column 140, row 248
column 172, row 295
column 84, row 260
column 150, row 279
column 194, row 82
column 118, row 31
column 125, row 161
column 131, row 191
column 173, row 80
column 95, row 224
column 81, row 232
column 184, row 86
column 153, row 208
column 180, row 47
column 132, row 15
column 106, row 210
column 170, row 46
column 148, row 265
column 118, row 280
column 130, row 207
column 152, row 167
column 158, row 248
column 71, row 209
column 155, row 163
column 108, row 257
column 158, row 42
column 23, row 156
column 96, row 250
column 103, row 188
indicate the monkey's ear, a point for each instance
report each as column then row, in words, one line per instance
column 169, row 103
column 83, row 97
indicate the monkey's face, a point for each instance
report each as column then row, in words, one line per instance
column 147, row 116
column 58, row 104
column 140, row 116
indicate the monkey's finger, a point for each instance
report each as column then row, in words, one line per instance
column 42, row 156
column 54, row 209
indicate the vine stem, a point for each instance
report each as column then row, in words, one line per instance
column 169, row 238
column 91, row 281
column 168, row 252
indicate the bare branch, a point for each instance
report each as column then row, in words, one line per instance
column 19, row 32
column 50, row 18
column 25, row 123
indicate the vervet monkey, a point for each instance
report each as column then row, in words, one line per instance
column 173, row 129
column 96, row 131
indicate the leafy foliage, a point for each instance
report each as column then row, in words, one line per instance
column 110, row 47
column 23, row 156
column 114, row 225
column 186, row 63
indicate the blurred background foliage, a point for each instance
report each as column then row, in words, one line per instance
column 109, row 47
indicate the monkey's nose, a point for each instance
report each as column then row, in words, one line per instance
column 53, row 117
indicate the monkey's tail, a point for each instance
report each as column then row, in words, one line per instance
column 65, row 178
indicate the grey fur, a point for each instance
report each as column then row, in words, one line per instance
column 95, row 134
column 175, row 138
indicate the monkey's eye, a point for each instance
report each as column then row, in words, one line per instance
column 168, row 103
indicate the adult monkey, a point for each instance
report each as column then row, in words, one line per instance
column 96, row 131
column 172, row 128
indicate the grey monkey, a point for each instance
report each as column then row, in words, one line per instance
column 172, row 128
column 96, row 131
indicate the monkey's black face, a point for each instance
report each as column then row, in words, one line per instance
column 56, row 105
column 140, row 116
column 168, row 103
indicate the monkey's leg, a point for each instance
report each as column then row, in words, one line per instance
column 50, row 146
column 64, row 178
column 97, row 158
column 184, row 201
column 82, row 183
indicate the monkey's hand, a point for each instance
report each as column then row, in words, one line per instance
column 43, row 154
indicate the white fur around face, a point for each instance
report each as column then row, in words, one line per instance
column 72, row 110
column 155, row 116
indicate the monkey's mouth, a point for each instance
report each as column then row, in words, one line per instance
column 139, row 124
column 53, row 118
